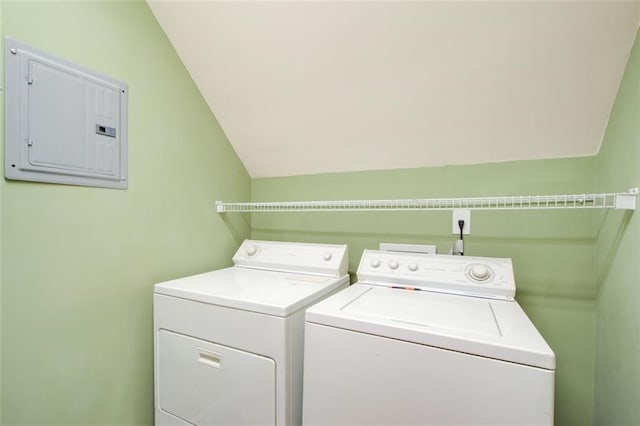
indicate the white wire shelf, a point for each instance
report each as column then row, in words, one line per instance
column 618, row 201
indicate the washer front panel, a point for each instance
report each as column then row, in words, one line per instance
column 357, row 378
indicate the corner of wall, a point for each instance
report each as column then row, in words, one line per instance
column 617, row 374
column 1, row 162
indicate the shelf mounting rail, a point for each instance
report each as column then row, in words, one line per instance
column 618, row 201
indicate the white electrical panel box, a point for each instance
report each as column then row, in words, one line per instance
column 63, row 123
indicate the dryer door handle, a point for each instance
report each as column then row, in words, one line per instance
column 209, row 358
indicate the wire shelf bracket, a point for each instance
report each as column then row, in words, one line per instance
column 617, row 201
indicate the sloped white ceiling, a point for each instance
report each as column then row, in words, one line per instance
column 305, row 87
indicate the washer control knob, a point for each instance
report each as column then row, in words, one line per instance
column 393, row 264
column 327, row 256
column 479, row 272
column 252, row 250
column 375, row 263
column 413, row 267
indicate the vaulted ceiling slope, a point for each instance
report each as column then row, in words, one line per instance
column 305, row 87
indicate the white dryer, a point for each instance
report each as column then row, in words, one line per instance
column 228, row 343
column 428, row 340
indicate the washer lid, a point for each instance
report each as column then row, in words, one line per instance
column 267, row 292
column 491, row 328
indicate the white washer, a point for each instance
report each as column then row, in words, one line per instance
column 228, row 343
column 426, row 339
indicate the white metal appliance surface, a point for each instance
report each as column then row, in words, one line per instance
column 426, row 339
column 228, row 343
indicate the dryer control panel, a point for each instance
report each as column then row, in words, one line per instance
column 306, row 258
column 472, row 276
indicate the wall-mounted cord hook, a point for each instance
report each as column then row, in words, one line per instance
column 461, row 226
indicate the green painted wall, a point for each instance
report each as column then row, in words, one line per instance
column 617, row 375
column 1, row 162
column 80, row 263
column 552, row 251
column 77, row 264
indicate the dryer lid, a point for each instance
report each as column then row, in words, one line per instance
column 266, row 292
column 491, row 328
